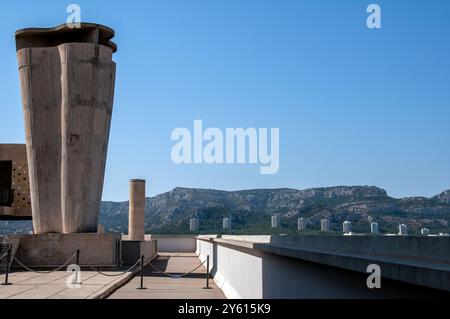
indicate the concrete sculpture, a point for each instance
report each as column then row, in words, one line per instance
column 67, row 81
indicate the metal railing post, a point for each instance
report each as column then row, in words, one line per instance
column 118, row 253
column 78, row 257
column 142, row 273
column 207, row 273
column 8, row 261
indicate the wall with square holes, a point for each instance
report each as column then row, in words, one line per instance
column 21, row 206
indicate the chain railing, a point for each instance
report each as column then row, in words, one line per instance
column 78, row 256
column 86, row 264
column 4, row 255
column 178, row 276
column 175, row 276
column 8, row 262
column 46, row 271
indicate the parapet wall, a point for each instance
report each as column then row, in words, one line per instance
column 434, row 249
column 172, row 243
column 327, row 266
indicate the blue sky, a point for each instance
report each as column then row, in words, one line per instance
column 354, row 106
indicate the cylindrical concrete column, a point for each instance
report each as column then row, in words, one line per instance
column 67, row 81
column 136, row 217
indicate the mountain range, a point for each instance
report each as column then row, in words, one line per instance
column 251, row 211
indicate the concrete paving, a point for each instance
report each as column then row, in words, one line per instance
column 29, row 285
column 160, row 286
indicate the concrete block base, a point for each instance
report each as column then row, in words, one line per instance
column 133, row 250
column 49, row 250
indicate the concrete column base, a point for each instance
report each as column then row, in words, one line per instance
column 133, row 250
column 50, row 250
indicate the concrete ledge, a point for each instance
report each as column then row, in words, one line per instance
column 50, row 250
column 426, row 274
column 423, row 261
column 433, row 249
column 173, row 243
column 112, row 287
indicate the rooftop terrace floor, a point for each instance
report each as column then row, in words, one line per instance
column 30, row 285
column 161, row 286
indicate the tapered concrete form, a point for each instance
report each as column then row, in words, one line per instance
column 67, row 81
column 136, row 223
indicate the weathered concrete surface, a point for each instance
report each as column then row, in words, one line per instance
column 40, row 78
column 28, row 285
column 423, row 261
column 5, row 244
column 49, row 250
column 88, row 76
column 162, row 287
column 425, row 248
column 67, row 96
column 19, row 185
column 136, row 215
column 245, row 269
column 174, row 243
column 133, row 250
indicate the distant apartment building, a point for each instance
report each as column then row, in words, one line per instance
column 226, row 223
column 347, row 227
column 325, row 225
column 425, row 232
column 402, row 230
column 374, row 229
column 301, row 224
column 275, row 221
column 194, row 224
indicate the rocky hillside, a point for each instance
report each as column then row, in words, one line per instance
column 443, row 197
column 251, row 210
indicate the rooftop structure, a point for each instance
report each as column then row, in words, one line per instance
column 136, row 215
column 15, row 197
column 67, row 82
column 270, row 267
